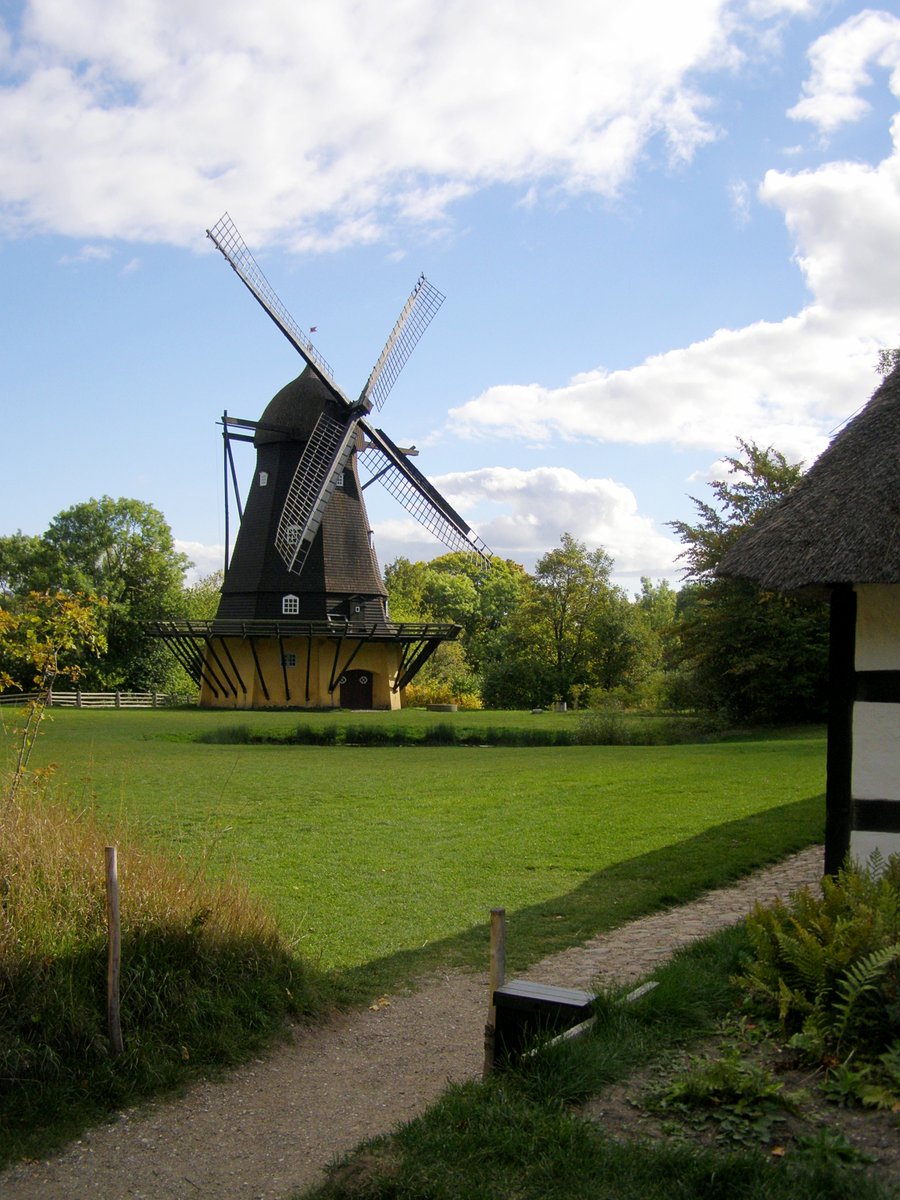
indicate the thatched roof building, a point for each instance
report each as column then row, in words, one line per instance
column 842, row 522
column 839, row 529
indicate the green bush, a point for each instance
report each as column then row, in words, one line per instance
column 604, row 727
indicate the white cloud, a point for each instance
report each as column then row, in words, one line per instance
column 781, row 383
column 748, row 382
column 521, row 514
column 205, row 559
column 87, row 254
column 328, row 123
column 840, row 60
column 739, row 194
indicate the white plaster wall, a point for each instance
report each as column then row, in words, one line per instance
column 878, row 627
column 876, row 727
column 863, row 845
column 876, row 751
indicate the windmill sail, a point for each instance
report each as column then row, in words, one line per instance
column 387, row 464
column 417, row 314
column 228, row 241
column 324, row 457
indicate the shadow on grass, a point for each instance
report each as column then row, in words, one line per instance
column 191, row 1005
column 672, row 875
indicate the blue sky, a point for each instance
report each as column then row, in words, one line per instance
column 658, row 227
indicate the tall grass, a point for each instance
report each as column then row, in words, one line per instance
column 206, row 976
column 602, row 728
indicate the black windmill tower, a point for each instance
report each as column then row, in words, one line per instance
column 303, row 620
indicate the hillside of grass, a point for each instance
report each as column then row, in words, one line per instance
column 369, row 853
column 377, row 864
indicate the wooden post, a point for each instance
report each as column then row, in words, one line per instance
column 497, row 977
column 839, row 755
column 114, row 954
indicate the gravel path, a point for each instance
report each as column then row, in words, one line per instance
column 270, row 1127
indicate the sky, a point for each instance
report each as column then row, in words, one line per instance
column 659, row 228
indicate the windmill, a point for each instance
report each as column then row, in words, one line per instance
column 302, row 620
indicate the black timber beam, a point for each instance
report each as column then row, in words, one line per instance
column 839, row 756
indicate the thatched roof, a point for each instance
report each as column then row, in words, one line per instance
column 841, row 524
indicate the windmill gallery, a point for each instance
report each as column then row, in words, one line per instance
column 303, row 620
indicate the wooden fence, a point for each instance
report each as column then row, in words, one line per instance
column 79, row 699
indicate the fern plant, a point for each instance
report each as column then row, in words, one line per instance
column 829, row 966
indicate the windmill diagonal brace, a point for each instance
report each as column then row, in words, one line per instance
column 229, row 683
column 287, row 690
column 336, row 673
column 421, row 657
column 190, row 659
column 259, row 673
column 224, row 644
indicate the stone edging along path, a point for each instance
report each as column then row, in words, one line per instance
column 269, row 1128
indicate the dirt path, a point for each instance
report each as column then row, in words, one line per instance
column 272, row 1126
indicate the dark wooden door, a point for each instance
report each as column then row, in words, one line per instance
column 356, row 689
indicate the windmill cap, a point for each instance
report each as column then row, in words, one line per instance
column 292, row 412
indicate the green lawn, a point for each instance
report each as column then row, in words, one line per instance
column 371, row 854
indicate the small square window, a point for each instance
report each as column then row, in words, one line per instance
column 288, row 659
column 290, row 605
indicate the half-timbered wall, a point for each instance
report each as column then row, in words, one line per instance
column 875, row 771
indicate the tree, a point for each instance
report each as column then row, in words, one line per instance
column 121, row 551
column 42, row 636
column 572, row 632
column 461, row 589
column 200, row 601
column 526, row 639
column 756, row 482
column 754, row 656
column 26, row 564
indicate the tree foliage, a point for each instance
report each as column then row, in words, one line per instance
column 44, row 635
column 527, row 639
column 122, row 552
column 752, row 655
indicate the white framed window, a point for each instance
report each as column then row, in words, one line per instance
column 263, row 478
column 290, row 605
column 289, row 659
column 292, row 534
column 340, row 479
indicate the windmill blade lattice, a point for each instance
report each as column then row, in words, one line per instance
column 387, row 464
column 314, row 483
column 225, row 237
column 418, row 312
